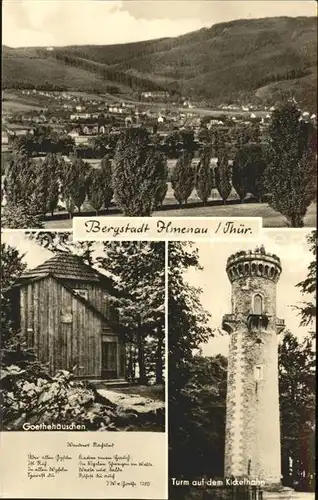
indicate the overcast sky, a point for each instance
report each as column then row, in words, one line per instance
column 292, row 248
column 80, row 22
column 35, row 254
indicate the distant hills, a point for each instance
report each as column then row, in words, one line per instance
column 263, row 60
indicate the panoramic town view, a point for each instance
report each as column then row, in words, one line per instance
column 198, row 113
column 190, row 363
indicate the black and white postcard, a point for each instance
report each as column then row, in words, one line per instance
column 172, row 108
column 158, row 225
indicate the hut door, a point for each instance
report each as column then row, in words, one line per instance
column 109, row 360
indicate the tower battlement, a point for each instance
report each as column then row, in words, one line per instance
column 257, row 263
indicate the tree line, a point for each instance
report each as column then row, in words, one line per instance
column 107, row 73
column 44, row 140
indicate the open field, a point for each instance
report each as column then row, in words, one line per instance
column 270, row 217
column 200, row 111
column 300, row 495
column 175, row 108
column 84, row 95
column 295, row 495
column 15, row 103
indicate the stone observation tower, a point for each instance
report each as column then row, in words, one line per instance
column 252, row 445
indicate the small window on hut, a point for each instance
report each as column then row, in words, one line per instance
column 82, row 292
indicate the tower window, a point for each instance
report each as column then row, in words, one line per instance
column 258, row 373
column 258, row 305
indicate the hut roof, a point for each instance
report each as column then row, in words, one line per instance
column 65, row 265
column 78, row 297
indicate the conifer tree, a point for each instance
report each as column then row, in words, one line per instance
column 74, row 184
column 95, row 189
column 248, row 171
column 291, row 176
column 12, row 266
column 308, row 286
column 28, row 179
column 188, row 329
column 138, row 270
column 20, row 178
column 183, row 178
column 219, row 138
column 296, row 362
column 69, row 205
column 22, row 207
column 161, row 194
column 12, row 182
column 223, row 176
column 52, row 168
column 41, row 188
column 240, row 178
column 108, row 192
column 21, row 216
column 162, row 187
column 137, row 173
column 204, row 177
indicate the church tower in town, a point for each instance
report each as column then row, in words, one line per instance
column 252, row 446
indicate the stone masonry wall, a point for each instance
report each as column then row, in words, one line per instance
column 252, row 415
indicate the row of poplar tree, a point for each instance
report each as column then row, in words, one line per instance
column 47, row 181
column 136, row 178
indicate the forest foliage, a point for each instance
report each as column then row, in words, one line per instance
column 33, row 395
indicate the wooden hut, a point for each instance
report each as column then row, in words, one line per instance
column 64, row 311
